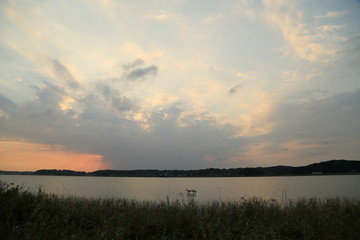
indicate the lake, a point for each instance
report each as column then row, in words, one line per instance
column 159, row 189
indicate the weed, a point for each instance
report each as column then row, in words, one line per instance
column 36, row 215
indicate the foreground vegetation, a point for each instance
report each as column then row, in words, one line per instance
column 28, row 215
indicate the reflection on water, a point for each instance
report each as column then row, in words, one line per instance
column 201, row 189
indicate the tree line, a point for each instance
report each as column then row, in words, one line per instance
column 327, row 167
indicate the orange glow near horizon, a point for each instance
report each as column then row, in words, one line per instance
column 27, row 156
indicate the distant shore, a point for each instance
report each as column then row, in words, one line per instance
column 332, row 167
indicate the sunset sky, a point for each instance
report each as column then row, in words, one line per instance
column 178, row 84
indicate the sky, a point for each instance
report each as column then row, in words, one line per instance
column 178, row 84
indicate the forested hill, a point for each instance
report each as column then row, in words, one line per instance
column 327, row 167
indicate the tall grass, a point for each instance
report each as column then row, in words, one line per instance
column 35, row 215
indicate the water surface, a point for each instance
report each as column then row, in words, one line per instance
column 231, row 188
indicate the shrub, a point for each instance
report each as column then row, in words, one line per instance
column 36, row 215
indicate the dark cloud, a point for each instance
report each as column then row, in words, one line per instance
column 99, row 124
column 329, row 125
column 64, row 74
column 332, row 117
column 234, row 89
column 142, row 72
column 171, row 146
column 136, row 63
column 6, row 106
column 122, row 141
column 6, row 103
column 121, row 103
column 342, row 74
column 110, row 94
column 136, row 70
column 49, row 95
column 177, row 139
column 39, row 120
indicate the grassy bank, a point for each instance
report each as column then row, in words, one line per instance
column 28, row 215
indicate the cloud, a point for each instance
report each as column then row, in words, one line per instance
column 108, row 93
column 328, row 28
column 333, row 14
column 343, row 74
column 133, row 50
column 79, row 99
column 3, row 114
column 234, row 89
column 243, row 75
column 121, row 141
column 158, row 17
column 6, row 103
column 38, row 118
column 49, row 95
column 175, row 145
column 135, row 70
column 121, row 103
column 138, row 62
column 328, row 125
column 64, row 74
column 333, row 117
column 103, row 121
column 307, row 132
column 140, row 73
column 303, row 40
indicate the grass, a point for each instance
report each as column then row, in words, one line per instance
column 35, row 215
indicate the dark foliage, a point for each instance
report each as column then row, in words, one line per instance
column 27, row 215
column 328, row 167
column 59, row 172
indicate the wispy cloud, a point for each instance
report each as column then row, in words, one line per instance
column 328, row 28
column 243, row 75
column 157, row 16
column 333, row 14
column 303, row 40
column 64, row 74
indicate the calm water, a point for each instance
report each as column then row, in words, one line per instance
column 207, row 188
